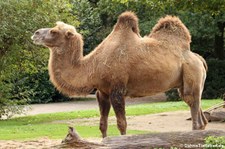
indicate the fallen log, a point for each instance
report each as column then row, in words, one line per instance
column 190, row 139
column 73, row 140
column 215, row 113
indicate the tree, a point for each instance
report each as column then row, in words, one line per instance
column 23, row 68
column 23, row 71
column 90, row 23
column 215, row 11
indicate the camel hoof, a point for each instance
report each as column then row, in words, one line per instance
column 202, row 127
column 123, row 133
column 199, row 127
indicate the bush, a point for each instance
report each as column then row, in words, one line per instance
column 215, row 142
column 215, row 81
column 32, row 88
column 23, row 65
column 173, row 95
column 11, row 107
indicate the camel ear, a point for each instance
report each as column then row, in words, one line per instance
column 69, row 34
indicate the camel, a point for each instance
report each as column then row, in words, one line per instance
column 126, row 64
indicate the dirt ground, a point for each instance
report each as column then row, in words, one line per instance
column 163, row 122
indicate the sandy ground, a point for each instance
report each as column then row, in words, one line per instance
column 163, row 122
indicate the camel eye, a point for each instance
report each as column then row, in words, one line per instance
column 53, row 32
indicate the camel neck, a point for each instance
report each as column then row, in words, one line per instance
column 68, row 73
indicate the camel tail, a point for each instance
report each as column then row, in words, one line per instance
column 171, row 25
column 203, row 61
column 126, row 20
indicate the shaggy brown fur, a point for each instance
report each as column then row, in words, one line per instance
column 125, row 64
column 171, row 29
column 126, row 21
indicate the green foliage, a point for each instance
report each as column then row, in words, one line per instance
column 19, row 20
column 10, row 108
column 215, row 81
column 21, row 61
column 90, row 23
column 202, row 28
column 212, row 7
column 34, row 88
column 23, row 75
column 212, row 20
column 173, row 95
column 212, row 142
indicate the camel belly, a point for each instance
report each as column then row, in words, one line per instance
column 150, row 84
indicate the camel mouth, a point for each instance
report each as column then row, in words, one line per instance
column 37, row 40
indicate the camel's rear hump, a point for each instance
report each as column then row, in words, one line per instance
column 171, row 25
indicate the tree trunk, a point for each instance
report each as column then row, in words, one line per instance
column 188, row 139
column 219, row 41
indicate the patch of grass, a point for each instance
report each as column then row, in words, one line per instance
column 31, row 127
column 44, row 118
column 55, row 131
column 152, row 108
column 32, row 131
column 155, row 108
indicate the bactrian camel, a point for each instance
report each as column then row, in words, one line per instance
column 126, row 64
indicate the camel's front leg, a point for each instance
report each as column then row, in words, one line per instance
column 118, row 103
column 104, row 107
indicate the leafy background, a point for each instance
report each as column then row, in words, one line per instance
column 23, row 65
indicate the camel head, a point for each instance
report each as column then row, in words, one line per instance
column 55, row 37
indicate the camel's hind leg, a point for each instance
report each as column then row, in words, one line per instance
column 191, row 94
column 118, row 103
column 198, row 118
column 104, row 107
